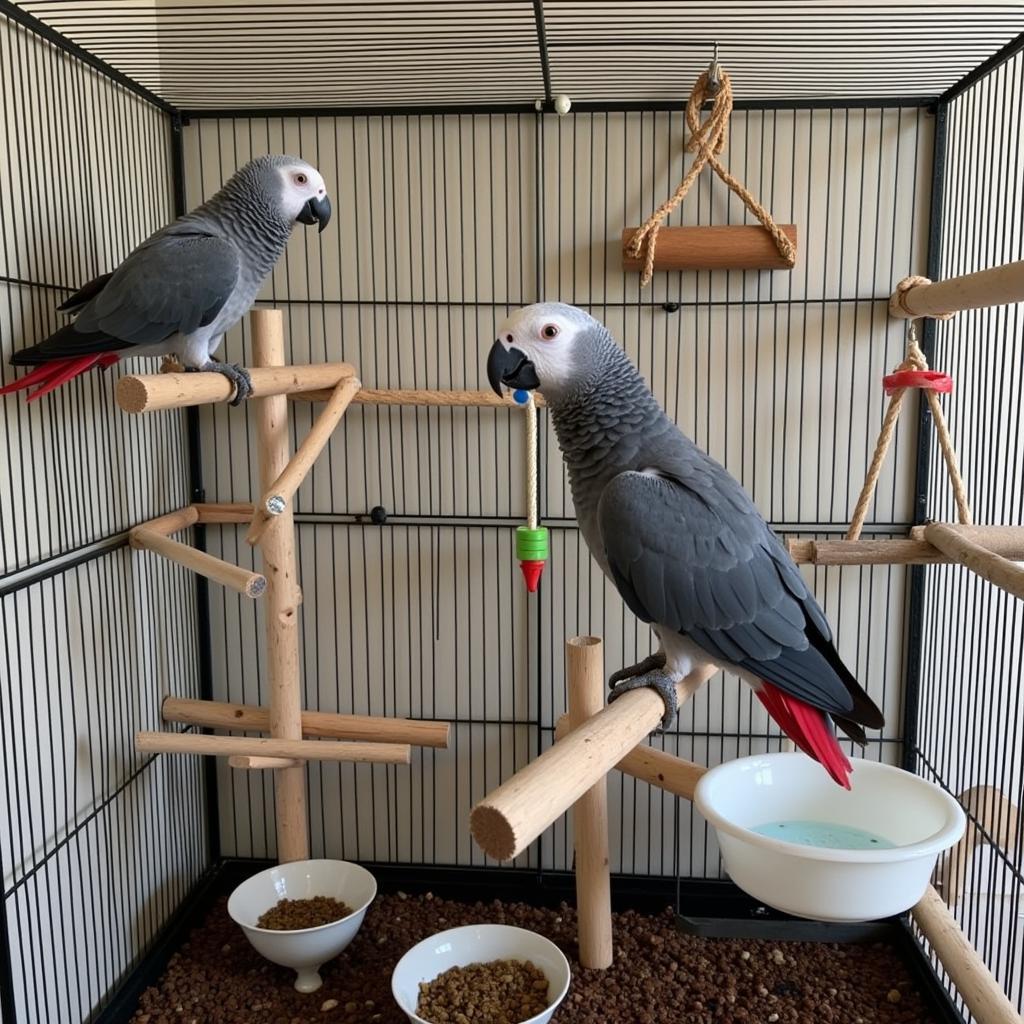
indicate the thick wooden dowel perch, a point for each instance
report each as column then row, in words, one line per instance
column 172, row 522
column 506, row 821
column 991, row 818
column 150, row 392
column 585, row 688
column 648, row 764
column 251, row 584
column 997, row 286
column 213, row 714
column 283, row 598
column 958, row 544
column 225, row 512
column 724, row 247
column 296, row 751
column 250, row 762
column 277, row 496
column 975, row 983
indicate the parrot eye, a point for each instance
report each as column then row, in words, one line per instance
column 301, row 179
column 549, row 331
column 511, row 340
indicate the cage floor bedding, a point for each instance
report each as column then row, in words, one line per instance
column 660, row 976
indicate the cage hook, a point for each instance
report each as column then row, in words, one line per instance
column 714, row 76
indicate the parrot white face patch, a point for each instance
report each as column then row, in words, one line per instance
column 546, row 334
column 300, row 182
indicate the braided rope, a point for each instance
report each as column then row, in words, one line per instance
column 915, row 360
column 532, row 516
column 899, row 297
column 707, row 140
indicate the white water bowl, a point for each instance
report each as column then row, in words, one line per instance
column 473, row 944
column 828, row 884
column 304, row 950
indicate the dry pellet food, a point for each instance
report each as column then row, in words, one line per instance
column 659, row 975
column 495, row 992
column 288, row 915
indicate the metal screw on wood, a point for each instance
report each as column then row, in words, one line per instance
column 276, row 505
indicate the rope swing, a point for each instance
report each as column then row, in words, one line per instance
column 707, row 140
column 913, row 372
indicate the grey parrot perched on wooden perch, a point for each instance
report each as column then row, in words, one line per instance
column 185, row 286
column 680, row 539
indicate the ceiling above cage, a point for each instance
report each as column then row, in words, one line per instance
column 327, row 53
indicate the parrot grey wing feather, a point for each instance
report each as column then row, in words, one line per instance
column 173, row 284
column 688, row 554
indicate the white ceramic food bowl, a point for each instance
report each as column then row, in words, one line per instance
column 478, row 943
column 826, row 884
column 304, row 950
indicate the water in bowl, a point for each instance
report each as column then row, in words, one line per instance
column 824, row 834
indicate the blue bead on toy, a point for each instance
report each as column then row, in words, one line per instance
column 521, row 396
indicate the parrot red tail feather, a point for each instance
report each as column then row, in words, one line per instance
column 47, row 377
column 808, row 728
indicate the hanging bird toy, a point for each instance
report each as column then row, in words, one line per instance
column 531, row 539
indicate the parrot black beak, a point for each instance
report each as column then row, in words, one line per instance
column 316, row 211
column 510, row 367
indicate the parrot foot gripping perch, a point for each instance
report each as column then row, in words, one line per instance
column 651, row 662
column 238, row 376
column 659, row 681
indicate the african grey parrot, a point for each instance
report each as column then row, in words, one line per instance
column 183, row 287
column 680, row 538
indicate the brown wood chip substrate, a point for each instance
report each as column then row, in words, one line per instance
column 659, row 976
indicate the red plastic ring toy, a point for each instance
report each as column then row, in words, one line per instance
column 929, row 380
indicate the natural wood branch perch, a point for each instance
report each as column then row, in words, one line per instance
column 251, row 584
column 277, row 496
column 149, row 392
column 421, row 396
column 215, row 714
column 506, row 821
column 268, row 746
column 1007, row 541
column 172, row 522
column 997, row 286
column 978, row 988
column 959, row 545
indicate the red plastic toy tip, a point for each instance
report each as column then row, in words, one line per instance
column 928, row 380
column 531, row 573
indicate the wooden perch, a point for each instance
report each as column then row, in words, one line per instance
column 974, row 982
column 728, row 247
column 991, row 817
column 277, row 496
column 958, row 544
column 585, row 692
column 268, row 746
column 1007, row 541
column 422, row 396
column 215, row 714
column 506, row 821
column 283, row 598
column 149, row 392
column 648, row 764
column 172, row 522
column 251, row 584
column 997, row 286
column 253, row 763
